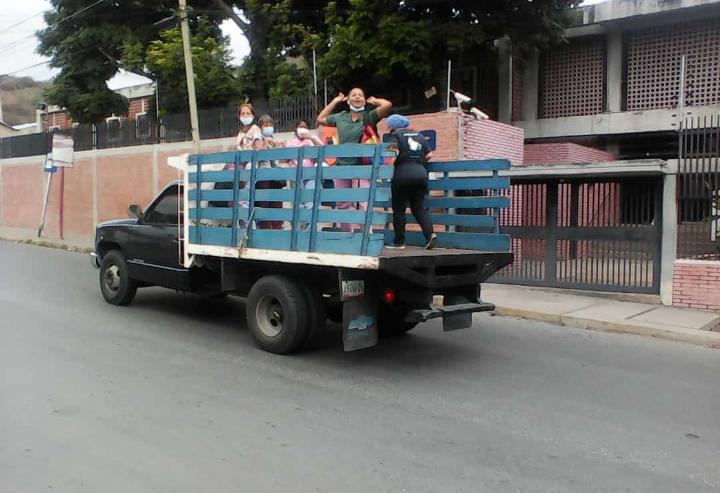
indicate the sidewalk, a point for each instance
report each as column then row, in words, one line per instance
column 589, row 312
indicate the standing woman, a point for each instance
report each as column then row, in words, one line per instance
column 410, row 180
column 267, row 127
column 350, row 124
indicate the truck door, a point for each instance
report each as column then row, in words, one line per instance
column 155, row 244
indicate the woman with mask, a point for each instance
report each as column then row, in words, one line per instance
column 350, row 124
column 304, row 138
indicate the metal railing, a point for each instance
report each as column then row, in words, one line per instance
column 214, row 123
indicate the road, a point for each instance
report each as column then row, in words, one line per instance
column 170, row 395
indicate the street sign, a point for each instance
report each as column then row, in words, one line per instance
column 62, row 151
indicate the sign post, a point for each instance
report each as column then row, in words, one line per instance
column 61, row 156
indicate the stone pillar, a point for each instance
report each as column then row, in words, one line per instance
column 669, row 233
column 614, row 71
column 531, row 88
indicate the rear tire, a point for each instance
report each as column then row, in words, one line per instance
column 115, row 284
column 391, row 322
column 317, row 312
column 277, row 314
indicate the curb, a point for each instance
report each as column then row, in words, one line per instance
column 48, row 244
column 689, row 336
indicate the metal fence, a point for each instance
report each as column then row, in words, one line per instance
column 590, row 233
column 122, row 132
column 698, row 190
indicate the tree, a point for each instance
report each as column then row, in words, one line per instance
column 87, row 41
column 399, row 42
column 163, row 58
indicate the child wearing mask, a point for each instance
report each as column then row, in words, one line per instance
column 267, row 129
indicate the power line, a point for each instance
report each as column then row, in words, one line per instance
column 68, row 17
column 22, row 21
column 24, row 69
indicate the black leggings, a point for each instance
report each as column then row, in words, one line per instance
column 410, row 191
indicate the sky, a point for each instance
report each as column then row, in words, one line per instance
column 18, row 44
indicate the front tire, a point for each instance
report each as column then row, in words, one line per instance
column 277, row 314
column 115, row 283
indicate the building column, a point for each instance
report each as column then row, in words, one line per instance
column 614, row 72
column 669, row 233
column 531, row 88
column 505, row 80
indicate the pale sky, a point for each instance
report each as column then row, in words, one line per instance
column 18, row 45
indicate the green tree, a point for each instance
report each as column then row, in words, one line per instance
column 215, row 84
column 87, row 41
column 397, row 42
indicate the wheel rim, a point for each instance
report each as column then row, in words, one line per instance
column 112, row 278
column 270, row 316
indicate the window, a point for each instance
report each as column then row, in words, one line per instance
column 165, row 211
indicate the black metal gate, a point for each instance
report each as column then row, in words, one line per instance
column 698, row 189
column 591, row 233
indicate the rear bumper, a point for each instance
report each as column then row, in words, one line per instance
column 454, row 317
column 94, row 260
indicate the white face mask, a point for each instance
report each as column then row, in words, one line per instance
column 268, row 131
column 246, row 120
column 302, row 132
column 356, row 109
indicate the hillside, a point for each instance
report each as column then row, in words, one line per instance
column 19, row 98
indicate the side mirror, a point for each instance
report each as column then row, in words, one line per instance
column 135, row 211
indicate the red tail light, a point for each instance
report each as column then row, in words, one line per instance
column 389, row 296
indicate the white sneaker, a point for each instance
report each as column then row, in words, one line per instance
column 431, row 242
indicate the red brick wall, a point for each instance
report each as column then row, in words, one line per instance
column 61, row 119
column 445, row 125
column 564, row 153
column 486, row 139
column 696, row 284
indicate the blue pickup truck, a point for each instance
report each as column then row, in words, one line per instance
column 206, row 233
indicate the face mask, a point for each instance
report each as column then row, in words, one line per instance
column 247, row 120
column 268, row 131
column 302, row 132
column 356, row 109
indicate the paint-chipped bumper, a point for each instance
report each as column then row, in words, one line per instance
column 454, row 316
column 94, row 260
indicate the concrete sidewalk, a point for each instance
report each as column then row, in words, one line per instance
column 590, row 312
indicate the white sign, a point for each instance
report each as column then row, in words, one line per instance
column 62, row 151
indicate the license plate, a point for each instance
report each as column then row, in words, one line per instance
column 352, row 289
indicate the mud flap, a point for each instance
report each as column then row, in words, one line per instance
column 359, row 310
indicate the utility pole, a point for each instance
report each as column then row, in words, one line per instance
column 189, row 75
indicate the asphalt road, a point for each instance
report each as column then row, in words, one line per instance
column 170, row 395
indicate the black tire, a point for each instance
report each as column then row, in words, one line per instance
column 391, row 321
column 317, row 312
column 277, row 314
column 116, row 285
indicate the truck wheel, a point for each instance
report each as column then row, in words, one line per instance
column 317, row 313
column 115, row 284
column 277, row 314
column 391, row 322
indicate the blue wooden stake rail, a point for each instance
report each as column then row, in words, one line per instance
column 473, row 214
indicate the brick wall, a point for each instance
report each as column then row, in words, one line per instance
column 61, row 119
column 564, row 153
column 486, row 139
column 445, row 125
column 57, row 119
column 696, row 284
